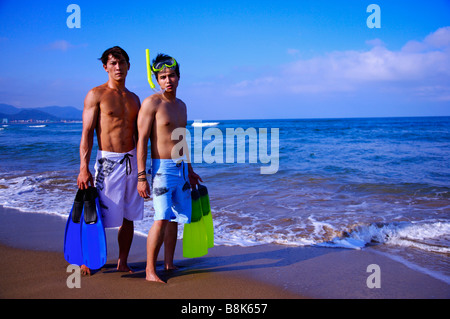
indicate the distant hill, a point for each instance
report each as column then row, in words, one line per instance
column 48, row 113
column 32, row 115
column 64, row 112
column 8, row 109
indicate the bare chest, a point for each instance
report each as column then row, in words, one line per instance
column 170, row 117
column 119, row 106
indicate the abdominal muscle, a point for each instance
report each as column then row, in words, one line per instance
column 163, row 147
column 117, row 140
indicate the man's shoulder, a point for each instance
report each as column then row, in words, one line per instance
column 151, row 104
column 98, row 90
column 153, row 100
column 182, row 105
column 133, row 96
column 94, row 96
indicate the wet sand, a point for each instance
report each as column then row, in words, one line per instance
column 33, row 266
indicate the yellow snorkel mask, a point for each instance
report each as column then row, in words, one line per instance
column 170, row 63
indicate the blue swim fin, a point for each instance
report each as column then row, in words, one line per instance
column 72, row 237
column 93, row 238
column 195, row 241
column 207, row 215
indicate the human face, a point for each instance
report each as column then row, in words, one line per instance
column 168, row 80
column 117, row 68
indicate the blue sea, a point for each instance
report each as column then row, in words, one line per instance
column 369, row 183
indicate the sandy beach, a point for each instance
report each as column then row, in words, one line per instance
column 33, row 266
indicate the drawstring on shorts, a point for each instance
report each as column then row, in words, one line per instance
column 128, row 163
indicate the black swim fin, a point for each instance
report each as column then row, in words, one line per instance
column 90, row 206
column 72, row 236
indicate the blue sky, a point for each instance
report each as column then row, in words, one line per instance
column 239, row 59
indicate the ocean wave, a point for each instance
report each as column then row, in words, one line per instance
column 45, row 193
column 426, row 236
column 235, row 225
column 237, row 222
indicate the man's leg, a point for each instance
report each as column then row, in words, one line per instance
column 125, row 239
column 170, row 242
column 155, row 239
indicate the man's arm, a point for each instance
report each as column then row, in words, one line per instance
column 90, row 116
column 194, row 178
column 136, row 136
column 144, row 124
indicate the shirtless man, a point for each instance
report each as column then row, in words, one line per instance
column 111, row 110
column 172, row 176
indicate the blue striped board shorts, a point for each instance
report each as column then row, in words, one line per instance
column 171, row 190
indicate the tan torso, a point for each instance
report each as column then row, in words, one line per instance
column 116, row 122
column 169, row 116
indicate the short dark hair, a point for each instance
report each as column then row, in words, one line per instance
column 116, row 52
column 162, row 57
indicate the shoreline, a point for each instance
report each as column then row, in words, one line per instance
column 31, row 246
column 33, row 266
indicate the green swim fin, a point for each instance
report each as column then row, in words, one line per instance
column 195, row 241
column 207, row 215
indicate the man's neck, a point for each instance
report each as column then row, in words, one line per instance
column 117, row 85
column 170, row 96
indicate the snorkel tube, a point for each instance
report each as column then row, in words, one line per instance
column 149, row 70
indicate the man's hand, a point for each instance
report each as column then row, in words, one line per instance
column 143, row 189
column 84, row 179
column 194, row 179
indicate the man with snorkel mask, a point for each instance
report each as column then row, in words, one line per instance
column 172, row 175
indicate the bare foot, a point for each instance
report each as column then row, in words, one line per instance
column 85, row 270
column 152, row 276
column 170, row 267
column 123, row 267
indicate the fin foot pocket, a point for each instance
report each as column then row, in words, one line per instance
column 78, row 206
column 90, row 206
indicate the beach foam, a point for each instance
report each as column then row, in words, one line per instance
column 204, row 124
column 53, row 193
column 420, row 235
